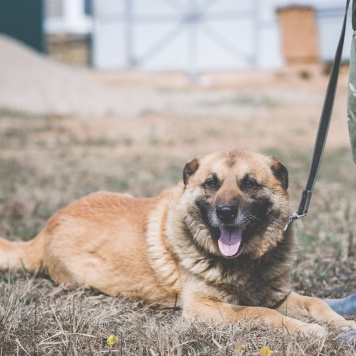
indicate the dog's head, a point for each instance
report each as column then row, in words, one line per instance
column 236, row 202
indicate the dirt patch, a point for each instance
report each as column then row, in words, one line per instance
column 245, row 109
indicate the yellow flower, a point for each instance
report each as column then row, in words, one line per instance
column 112, row 340
column 241, row 347
column 265, row 351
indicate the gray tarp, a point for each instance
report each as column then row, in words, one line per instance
column 351, row 100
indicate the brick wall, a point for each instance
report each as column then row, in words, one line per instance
column 68, row 48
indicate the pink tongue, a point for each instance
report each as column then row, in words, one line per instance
column 230, row 240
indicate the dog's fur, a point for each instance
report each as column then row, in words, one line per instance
column 213, row 246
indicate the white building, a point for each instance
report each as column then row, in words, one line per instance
column 188, row 35
column 68, row 16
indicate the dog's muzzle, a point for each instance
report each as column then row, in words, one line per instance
column 225, row 218
column 227, row 213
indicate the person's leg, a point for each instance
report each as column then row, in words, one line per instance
column 351, row 99
column 345, row 306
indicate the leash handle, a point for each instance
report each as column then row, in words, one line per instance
column 323, row 128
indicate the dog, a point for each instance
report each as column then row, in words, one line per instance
column 213, row 245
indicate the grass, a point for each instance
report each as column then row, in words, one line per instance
column 244, row 101
column 38, row 317
column 325, row 264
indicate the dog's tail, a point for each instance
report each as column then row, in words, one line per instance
column 16, row 256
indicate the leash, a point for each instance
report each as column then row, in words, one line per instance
column 323, row 129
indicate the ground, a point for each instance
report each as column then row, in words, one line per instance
column 47, row 160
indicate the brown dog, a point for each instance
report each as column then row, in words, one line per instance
column 214, row 246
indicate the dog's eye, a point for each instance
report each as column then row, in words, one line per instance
column 249, row 182
column 210, row 183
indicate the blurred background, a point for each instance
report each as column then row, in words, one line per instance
column 176, row 34
column 191, row 40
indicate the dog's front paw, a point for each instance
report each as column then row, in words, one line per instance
column 344, row 325
column 314, row 330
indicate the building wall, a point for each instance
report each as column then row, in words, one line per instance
column 168, row 35
column 23, row 20
column 68, row 31
column 70, row 48
column 154, row 35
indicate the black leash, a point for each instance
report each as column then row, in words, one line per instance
column 323, row 129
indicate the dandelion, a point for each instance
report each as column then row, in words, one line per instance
column 265, row 351
column 241, row 347
column 112, row 340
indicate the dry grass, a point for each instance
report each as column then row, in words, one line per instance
column 40, row 318
column 47, row 162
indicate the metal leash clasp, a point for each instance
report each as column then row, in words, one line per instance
column 293, row 217
column 303, row 208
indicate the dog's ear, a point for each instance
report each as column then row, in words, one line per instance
column 280, row 172
column 190, row 168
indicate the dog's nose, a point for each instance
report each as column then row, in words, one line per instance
column 226, row 213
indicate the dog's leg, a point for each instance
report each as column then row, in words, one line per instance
column 301, row 307
column 201, row 307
